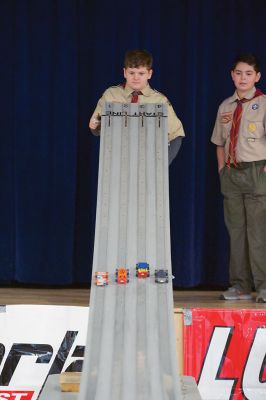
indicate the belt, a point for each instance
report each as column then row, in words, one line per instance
column 246, row 164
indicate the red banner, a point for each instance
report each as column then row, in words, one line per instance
column 225, row 350
column 16, row 394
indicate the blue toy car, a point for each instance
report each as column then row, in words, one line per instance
column 142, row 270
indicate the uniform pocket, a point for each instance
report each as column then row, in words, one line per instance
column 262, row 174
column 222, row 170
column 261, row 186
column 253, row 129
column 223, row 179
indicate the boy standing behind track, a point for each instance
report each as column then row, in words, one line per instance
column 137, row 72
column 240, row 137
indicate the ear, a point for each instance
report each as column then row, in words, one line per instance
column 150, row 74
column 258, row 76
column 232, row 74
column 124, row 71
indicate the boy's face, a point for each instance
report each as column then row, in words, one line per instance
column 137, row 78
column 244, row 77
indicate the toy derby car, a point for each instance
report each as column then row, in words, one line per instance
column 101, row 278
column 122, row 275
column 142, row 270
column 161, row 275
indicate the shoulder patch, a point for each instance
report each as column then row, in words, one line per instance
column 226, row 117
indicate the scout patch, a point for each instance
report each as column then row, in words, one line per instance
column 255, row 106
column 226, row 117
column 252, row 127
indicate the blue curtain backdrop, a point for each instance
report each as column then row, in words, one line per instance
column 57, row 57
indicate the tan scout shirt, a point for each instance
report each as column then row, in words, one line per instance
column 251, row 143
column 119, row 94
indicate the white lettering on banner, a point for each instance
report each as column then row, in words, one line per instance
column 209, row 382
column 252, row 385
column 50, row 339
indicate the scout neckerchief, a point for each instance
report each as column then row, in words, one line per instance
column 235, row 128
column 134, row 95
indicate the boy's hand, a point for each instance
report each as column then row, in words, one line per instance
column 94, row 123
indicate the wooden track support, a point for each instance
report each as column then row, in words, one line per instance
column 70, row 381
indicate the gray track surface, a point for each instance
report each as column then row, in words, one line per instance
column 130, row 351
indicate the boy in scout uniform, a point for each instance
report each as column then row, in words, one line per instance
column 137, row 72
column 240, row 136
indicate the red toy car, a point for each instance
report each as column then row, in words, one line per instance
column 122, row 275
column 142, row 270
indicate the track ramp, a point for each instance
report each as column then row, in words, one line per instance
column 131, row 352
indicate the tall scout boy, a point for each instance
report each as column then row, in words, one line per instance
column 137, row 72
column 240, row 137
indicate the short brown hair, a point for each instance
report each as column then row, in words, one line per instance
column 138, row 58
column 249, row 59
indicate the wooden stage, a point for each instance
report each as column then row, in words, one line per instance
column 80, row 297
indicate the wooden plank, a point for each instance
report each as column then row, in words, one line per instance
column 80, row 297
column 70, row 381
column 178, row 322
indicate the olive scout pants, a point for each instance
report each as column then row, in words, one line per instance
column 244, row 191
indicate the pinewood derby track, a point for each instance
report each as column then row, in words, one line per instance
column 130, row 350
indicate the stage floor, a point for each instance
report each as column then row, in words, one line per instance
column 80, row 297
